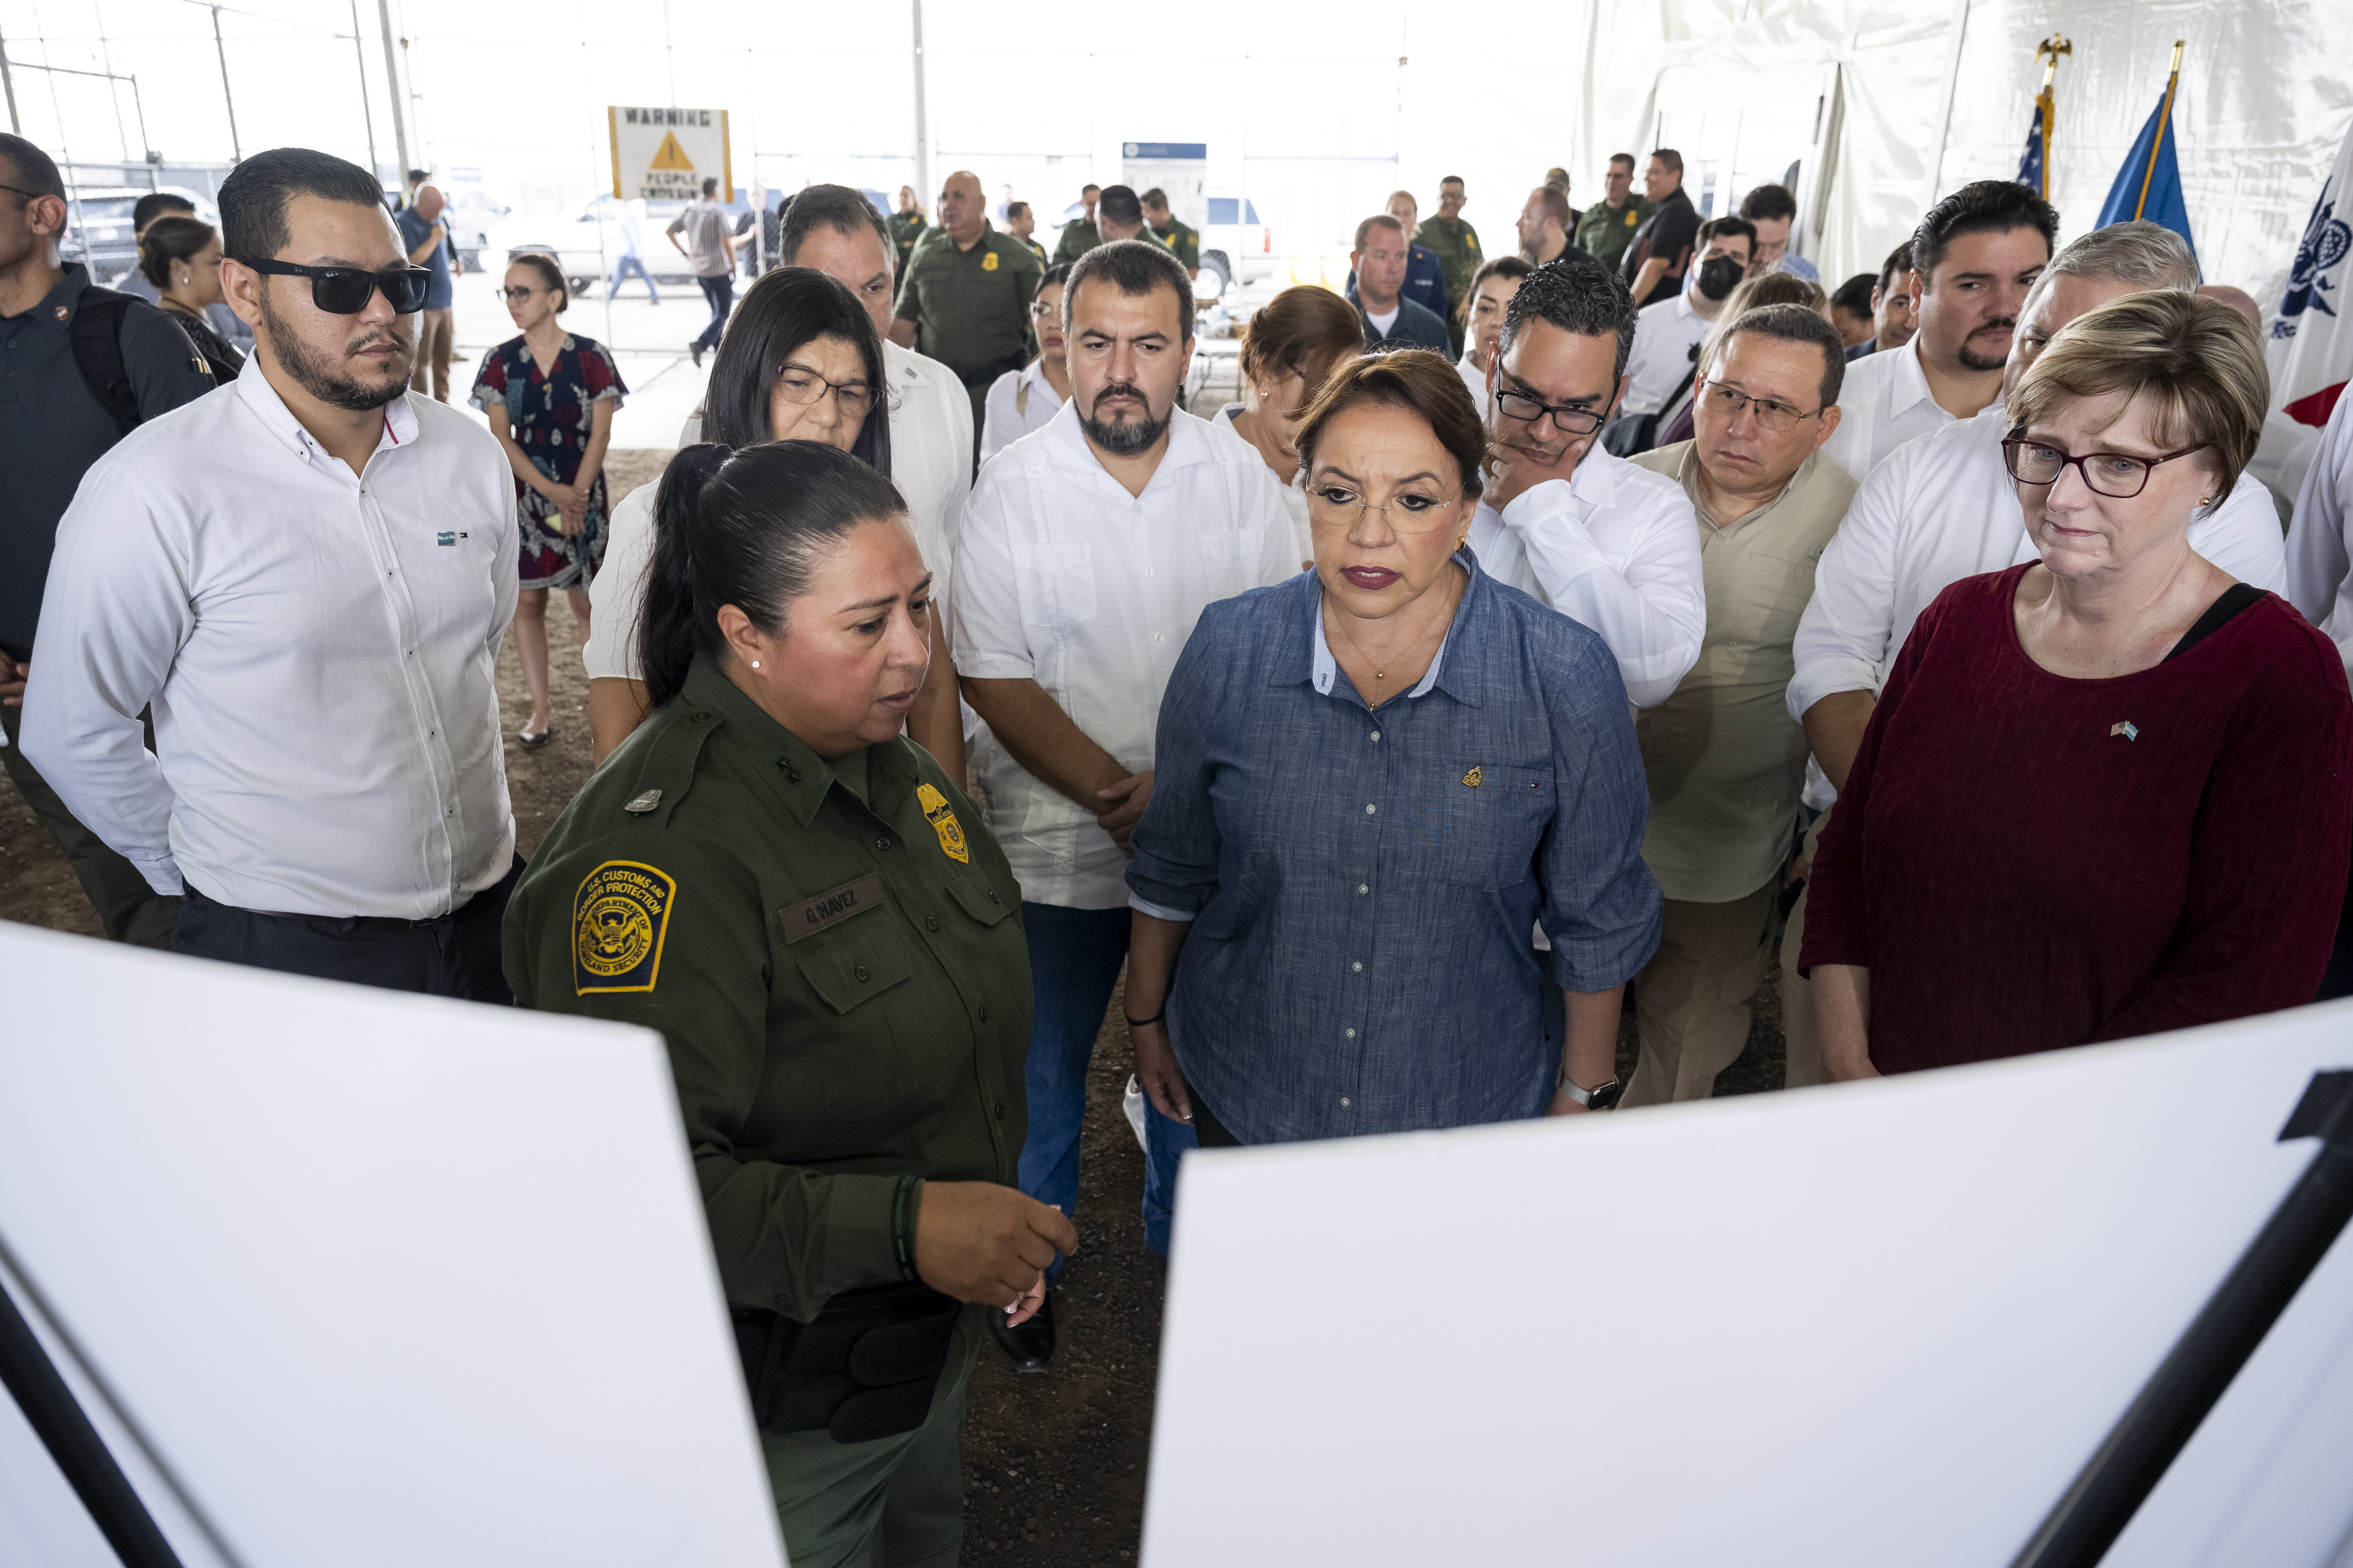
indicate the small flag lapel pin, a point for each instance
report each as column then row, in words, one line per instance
column 2125, row 728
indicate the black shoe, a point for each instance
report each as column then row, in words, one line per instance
column 530, row 743
column 695, row 348
column 1031, row 1345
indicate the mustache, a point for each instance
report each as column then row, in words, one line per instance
column 1998, row 324
column 1122, row 389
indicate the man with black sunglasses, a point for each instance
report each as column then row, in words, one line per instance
column 1598, row 539
column 307, row 577
column 84, row 364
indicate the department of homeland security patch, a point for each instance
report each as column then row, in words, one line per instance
column 943, row 818
column 619, row 918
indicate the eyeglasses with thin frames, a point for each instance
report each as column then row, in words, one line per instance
column 2119, row 476
column 804, row 387
column 1771, row 413
column 1337, row 506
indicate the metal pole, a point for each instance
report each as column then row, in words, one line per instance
column 237, row 150
column 397, row 84
column 922, row 126
column 154, row 159
column 359, row 58
column 9, row 85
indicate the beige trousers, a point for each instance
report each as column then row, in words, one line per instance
column 1695, row 1000
column 1802, row 1034
column 436, row 336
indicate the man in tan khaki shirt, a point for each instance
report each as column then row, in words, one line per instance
column 1727, row 764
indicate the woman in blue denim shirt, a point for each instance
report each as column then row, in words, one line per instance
column 1373, row 782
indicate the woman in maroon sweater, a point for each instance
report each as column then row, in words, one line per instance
column 2111, row 792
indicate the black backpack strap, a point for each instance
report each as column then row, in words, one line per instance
column 97, row 353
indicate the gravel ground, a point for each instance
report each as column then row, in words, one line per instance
column 1054, row 1463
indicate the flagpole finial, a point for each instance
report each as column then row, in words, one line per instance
column 2179, row 46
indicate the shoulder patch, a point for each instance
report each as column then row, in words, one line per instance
column 943, row 818
column 619, row 916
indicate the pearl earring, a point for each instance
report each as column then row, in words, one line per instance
column 756, row 664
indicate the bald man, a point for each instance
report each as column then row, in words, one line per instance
column 964, row 297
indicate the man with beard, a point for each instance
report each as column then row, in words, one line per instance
column 306, row 576
column 1974, row 257
column 1087, row 551
column 54, row 424
column 1666, row 333
column 1600, row 540
column 1943, row 508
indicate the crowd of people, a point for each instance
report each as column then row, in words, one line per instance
column 1534, row 637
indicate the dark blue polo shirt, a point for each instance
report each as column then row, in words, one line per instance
column 53, row 428
column 440, row 294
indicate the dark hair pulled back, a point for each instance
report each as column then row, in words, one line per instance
column 744, row 528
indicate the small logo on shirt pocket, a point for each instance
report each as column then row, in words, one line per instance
column 1474, row 778
column 450, row 538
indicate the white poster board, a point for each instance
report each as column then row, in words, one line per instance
column 665, row 154
column 1856, row 1325
column 1181, row 169
column 381, row 1280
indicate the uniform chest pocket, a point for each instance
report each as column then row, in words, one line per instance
column 978, row 899
column 1490, row 819
column 853, row 972
column 860, row 1061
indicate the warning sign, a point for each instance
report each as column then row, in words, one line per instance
column 665, row 154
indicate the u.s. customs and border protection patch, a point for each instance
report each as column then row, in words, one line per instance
column 943, row 818
column 618, row 919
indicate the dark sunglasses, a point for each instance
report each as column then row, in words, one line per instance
column 345, row 291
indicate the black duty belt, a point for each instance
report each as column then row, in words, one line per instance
column 986, row 376
column 864, row 1369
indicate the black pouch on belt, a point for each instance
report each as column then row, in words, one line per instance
column 864, row 1369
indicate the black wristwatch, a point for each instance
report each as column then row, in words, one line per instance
column 1600, row 1097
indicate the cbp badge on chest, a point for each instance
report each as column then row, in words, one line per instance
column 618, row 919
column 943, row 818
column 988, row 262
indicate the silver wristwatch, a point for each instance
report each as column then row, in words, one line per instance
column 1600, row 1097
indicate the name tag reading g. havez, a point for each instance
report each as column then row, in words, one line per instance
column 830, row 908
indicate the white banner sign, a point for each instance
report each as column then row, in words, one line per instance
column 665, row 154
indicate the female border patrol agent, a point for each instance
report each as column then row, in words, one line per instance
column 809, row 910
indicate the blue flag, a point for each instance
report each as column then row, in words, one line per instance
column 2149, row 185
column 2029, row 167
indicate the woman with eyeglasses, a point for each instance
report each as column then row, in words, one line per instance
column 800, row 362
column 550, row 396
column 1373, row 780
column 1027, row 399
column 2108, row 793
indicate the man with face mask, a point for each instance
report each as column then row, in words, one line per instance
column 306, row 577
column 1597, row 538
column 1666, row 333
column 1087, row 553
column 1943, row 508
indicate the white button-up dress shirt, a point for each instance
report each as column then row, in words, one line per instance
column 1664, row 335
column 2319, row 556
column 931, row 462
column 1616, row 547
column 1018, row 402
column 318, row 649
column 1883, row 402
column 1064, row 578
column 1944, row 508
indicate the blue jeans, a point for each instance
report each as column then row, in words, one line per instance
column 721, row 293
column 1075, row 957
column 627, row 265
column 1164, row 1143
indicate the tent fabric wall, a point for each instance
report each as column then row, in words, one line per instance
column 2266, row 96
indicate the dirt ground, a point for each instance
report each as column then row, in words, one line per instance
column 1054, row 1463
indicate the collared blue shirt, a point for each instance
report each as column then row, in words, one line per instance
column 1362, row 884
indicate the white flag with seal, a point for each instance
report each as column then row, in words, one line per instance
column 2311, row 346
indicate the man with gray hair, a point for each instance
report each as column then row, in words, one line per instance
column 1089, row 550
column 1943, row 506
column 1726, row 761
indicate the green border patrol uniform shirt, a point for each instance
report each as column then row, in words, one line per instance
column 1079, row 236
column 843, row 982
column 1606, row 231
column 1456, row 244
column 1186, row 243
column 906, row 230
column 972, row 305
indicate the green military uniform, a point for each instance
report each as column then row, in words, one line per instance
column 834, row 954
column 1606, row 231
column 906, row 229
column 1079, row 236
column 972, row 306
column 1457, row 245
column 1036, row 250
column 1185, row 242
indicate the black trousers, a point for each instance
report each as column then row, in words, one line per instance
column 456, row 955
column 1211, row 1131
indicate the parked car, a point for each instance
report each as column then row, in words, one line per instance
column 1236, row 246
column 99, row 228
column 586, row 241
column 471, row 214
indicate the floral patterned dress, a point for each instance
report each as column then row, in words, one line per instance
column 551, row 416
